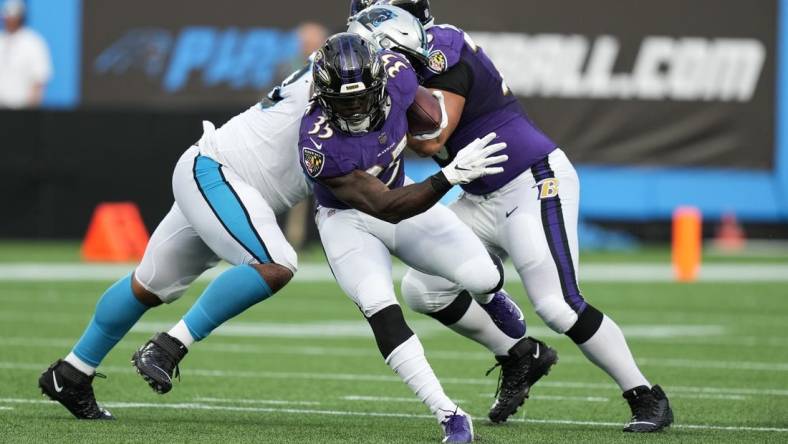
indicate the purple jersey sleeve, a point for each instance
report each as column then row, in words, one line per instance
column 402, row 79
column 321, row 150
column 445, row 46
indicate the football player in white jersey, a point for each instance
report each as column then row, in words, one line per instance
column 228, row 189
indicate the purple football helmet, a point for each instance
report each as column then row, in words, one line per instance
column 349, row 82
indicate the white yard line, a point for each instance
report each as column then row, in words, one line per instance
column 682, row 389
column 423, row 327
column 557, row 398
column 390, row 399
column 357, row 328
column 673, row 395
column 257, row 401
column 366, row 377
column 722, row 365
column 199, row 406
column 328, row 329
column 709, row 396
column 431, row 354
column 319, row 272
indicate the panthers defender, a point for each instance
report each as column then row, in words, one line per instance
column 352, row 143
column 528, row 213
column 228, row 190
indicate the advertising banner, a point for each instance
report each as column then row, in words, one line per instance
column 615, row 82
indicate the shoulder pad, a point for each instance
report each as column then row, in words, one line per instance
column 402, row 79
column 446, row 43
column 321, row 148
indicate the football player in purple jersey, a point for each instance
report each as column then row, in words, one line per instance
column 351, row 145
column 528, row 213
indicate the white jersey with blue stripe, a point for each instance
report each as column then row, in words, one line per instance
column 261, row 144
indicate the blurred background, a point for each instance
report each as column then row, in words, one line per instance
column 659, row 104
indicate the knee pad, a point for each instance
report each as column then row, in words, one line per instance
column 288, row 258
column 444, row 305
column 427, row 294
column 413, row 290
column 480, row 276
column 499, row 265
column 373, row 294
column 164, row 289
column 390, row 329
column 556, row 313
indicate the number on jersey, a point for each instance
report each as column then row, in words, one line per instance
column 322, row 129
column 393, row 65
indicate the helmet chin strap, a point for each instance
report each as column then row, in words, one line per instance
column 360, row 127
column 364, row 126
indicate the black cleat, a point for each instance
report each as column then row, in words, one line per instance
column 157, row 361
column 73, row 389
column 651, row 410
column 528, row 361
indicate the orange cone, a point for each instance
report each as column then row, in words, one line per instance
column 116, row 234
column 730, row 234
column 687, row 243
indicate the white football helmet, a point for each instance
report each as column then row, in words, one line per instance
column 392, row 28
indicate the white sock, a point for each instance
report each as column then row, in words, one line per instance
column 80, row 365
column 409, row 363
column 181, row 332
column 476, row 324
column 609, row 351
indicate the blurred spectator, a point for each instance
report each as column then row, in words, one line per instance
column 25, row 64
column 311, row 36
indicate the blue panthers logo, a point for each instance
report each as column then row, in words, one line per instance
column 200, row 53
column 143, row 49
column 375, row 17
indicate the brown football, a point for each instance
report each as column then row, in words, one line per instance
column 424, row 116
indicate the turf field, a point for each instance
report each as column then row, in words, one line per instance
column 302, row 367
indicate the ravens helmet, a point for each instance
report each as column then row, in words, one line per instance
column 349, row 82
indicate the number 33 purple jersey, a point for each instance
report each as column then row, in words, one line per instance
column 327, row 153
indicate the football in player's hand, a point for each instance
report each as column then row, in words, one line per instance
column 424, row 116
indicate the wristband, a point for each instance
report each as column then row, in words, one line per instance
column 440, row 183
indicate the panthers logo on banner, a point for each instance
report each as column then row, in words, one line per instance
column 313, row 161
column 437, row 62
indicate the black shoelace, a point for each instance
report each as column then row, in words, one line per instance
column 509, row 373
column 500, row 378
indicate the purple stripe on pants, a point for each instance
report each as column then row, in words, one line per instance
column 557, row 240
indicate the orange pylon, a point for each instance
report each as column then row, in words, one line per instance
column 687, row 243
column 116, row 234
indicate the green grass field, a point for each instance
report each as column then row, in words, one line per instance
column 302, row 367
